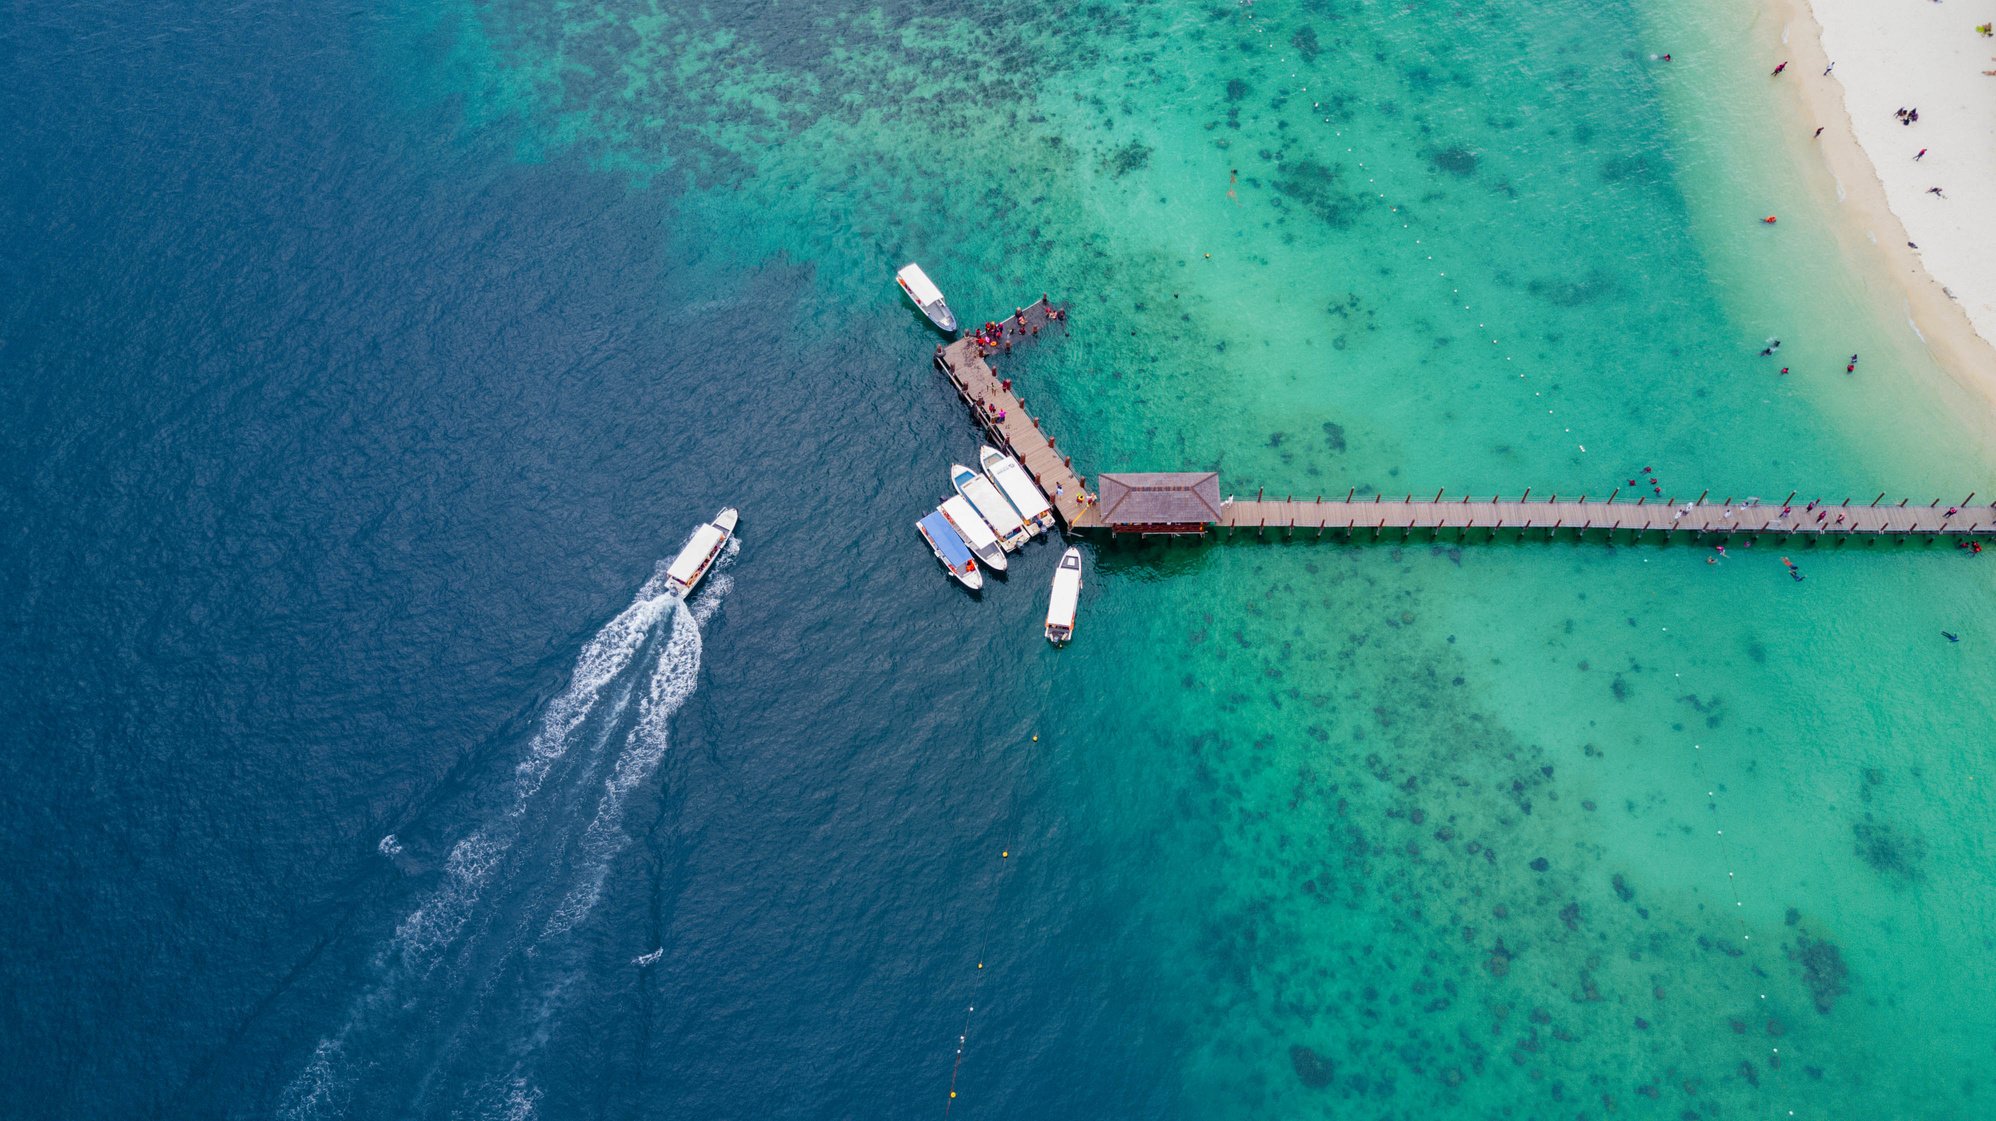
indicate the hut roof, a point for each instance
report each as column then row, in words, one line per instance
column 1159, row 498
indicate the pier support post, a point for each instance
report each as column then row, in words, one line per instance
column 1438, row 493
column 1641, row 498
column 1527, row 496
column 1701, row 496
column 1612, row 494
column 1969, row 499
column 1846, row 503
column 1349, row 492
column 1257, row 494
column 1880, row 498
column 1790, row 500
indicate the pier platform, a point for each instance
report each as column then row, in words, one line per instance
column 1002, row 413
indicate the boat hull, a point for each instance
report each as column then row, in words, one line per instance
column 1065, row 598
column 990, row 505
column 926, row 296
column 963, row 518
column 696, row 558
column 1019, row 489
column 950, row 549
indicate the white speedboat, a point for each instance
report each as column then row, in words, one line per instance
column 700, row 552
column 1019, row 489
column 990, row 505
column 950, row 549
column 974, row 532
column 1066, row 597
column 926, row 295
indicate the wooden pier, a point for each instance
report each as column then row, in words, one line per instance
column 1165, row 499
column 1475, row 519
column 1003, row 413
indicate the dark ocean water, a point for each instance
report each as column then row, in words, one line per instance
column 358, row 367
column 332, row 434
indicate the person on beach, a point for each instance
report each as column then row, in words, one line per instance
column 1936, row 192
column 1918, row 155
column 1781, row 67
column 1819, row 133
column 1827, row 69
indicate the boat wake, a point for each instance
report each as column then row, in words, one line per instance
column 517, row 885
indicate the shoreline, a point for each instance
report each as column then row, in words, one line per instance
column 1944, row 303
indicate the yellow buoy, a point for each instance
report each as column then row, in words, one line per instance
column 1006, row 855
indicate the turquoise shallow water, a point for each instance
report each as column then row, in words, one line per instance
column 1295, row 828
column 1424, row 830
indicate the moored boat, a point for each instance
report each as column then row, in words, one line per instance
column 926, row 295
column 950, row 549
column 699, row 553
column 1026, row 497
column 963, row 518
column 990, row 505
column 1066, row 597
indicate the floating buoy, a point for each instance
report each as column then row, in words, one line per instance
column 1006, row 855
column 1769, row 219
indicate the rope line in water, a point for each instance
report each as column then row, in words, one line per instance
column 984, row 942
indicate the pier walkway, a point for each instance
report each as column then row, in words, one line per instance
column 1180, row 503
column 1470, row 518
column 1002, row 412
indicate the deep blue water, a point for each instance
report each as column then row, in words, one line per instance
column 332, row 433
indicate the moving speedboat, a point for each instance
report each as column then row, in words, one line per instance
column 974, row 532
column 990, row 505
column 1025, row 495
column 699, row 553
column 1066, row 596
column 950, row 549
column 926, row 295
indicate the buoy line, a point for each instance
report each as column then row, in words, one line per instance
column 984, row 942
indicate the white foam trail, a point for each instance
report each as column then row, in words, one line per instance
column 672, row 682
column 643, row 960
column 601, row 660
column 322, row 1087
column 389, row 846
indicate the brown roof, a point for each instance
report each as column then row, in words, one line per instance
column 1159, row 498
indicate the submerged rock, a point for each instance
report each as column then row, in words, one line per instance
column 1823, row 970
column 1314, row 1070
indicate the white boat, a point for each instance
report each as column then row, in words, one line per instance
column 926, row 295
column 1019, row 489
column 1066, row 596
column 990, row 505
column 963, row 518
column 950, row 549
column 700, row 552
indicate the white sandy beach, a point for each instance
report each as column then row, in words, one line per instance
column 1892, row 54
